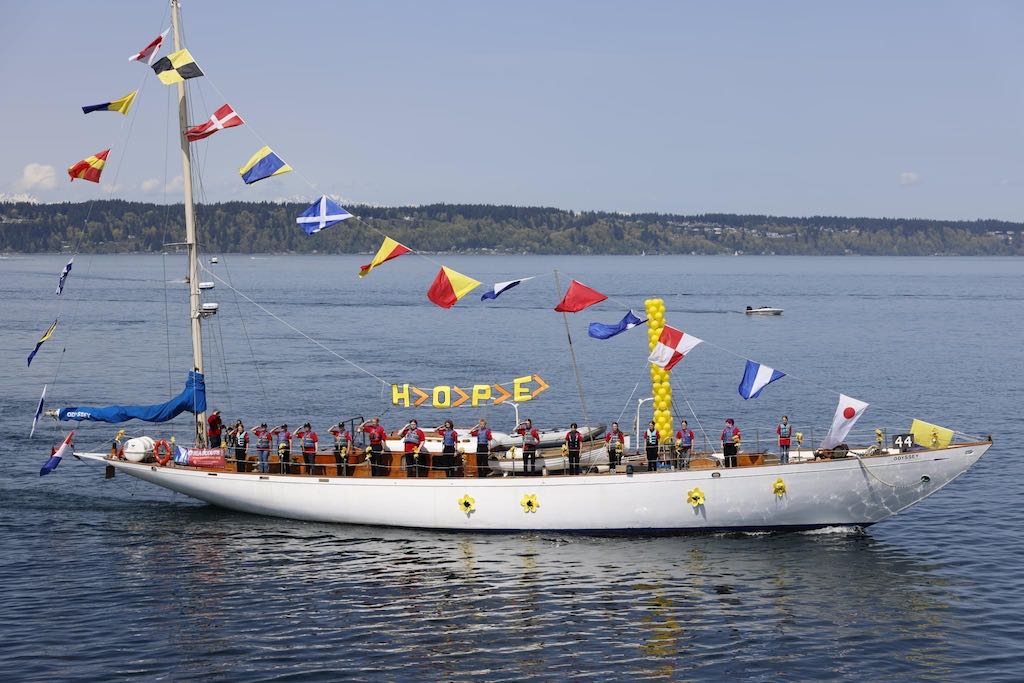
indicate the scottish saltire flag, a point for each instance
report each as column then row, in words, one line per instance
column 263, row 164
column 65, row 449
column 321, row 214
column 501, row 287
column 46, row 335
column 148, row 53
column 603, row 331
column 39, row 412
column 64, row 275
column 756, row 377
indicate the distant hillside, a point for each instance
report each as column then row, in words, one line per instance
column 120, row 226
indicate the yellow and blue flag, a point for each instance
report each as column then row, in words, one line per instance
column 121, row 106
column 263, row 164
column 46, row 335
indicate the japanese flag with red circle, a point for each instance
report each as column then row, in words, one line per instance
column 848, row 412
column 672, row 346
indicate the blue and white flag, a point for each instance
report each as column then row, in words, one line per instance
column 756, row 377
column 321, row 214
column 39, row 412
column 603, row 331
column 501, row 287
column 64, row 275
column 65, row 449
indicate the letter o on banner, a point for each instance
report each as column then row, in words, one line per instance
column 446, row 393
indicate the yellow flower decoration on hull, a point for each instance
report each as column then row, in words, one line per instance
column 695, row 497
column 530, row 502
column 779, row 487
column 467, row 504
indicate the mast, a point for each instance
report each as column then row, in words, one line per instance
column 190, row 227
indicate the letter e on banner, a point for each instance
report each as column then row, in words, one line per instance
column 520, row 392
column 446, row 393
column 481, row 394
column 400, row 397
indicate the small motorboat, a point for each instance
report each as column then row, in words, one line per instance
column 763, row 310
column 214, row 259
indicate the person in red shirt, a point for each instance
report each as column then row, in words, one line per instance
column 449, row 442
column 652, row 437
column 309, row 442
column 684, row 442
column 483, row 445
column 573, row 445
column 730, row 442
column 263, row 440
column 413, row 439
column 342, row 447
column 213, row 429
column 531, row 439
column 284, row 446
column 615, row 442
column 377, row 437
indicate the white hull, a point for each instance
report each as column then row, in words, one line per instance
column 764, row 311
column 818, row 494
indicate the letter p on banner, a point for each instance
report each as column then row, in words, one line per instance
column 400, row 396
column 481, row 394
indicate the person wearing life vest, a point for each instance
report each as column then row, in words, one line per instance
column 309, row 442
column 284, row 446
column 238, row 440
column 377, row 437
column 531, row 439
column 449, row 441
column 413, row 439
column 652, row 437
column 342, row 447
column 213, row 429
column 730, row 442
column 483, row 445
column 684, row 442
column 615, row 442
column 785, row 432
column 263, row 440
column 573, row 445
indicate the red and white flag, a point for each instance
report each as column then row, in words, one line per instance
column 148, row 53
column 225, row 117
column 672, row 347
column 848, row 412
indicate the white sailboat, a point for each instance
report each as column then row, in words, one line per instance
column 864, row 487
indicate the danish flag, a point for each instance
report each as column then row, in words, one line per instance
column 225, row 117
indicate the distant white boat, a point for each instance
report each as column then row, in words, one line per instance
column 214, row 259
column 763, row 310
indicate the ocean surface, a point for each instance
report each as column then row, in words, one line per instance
column 118, row 580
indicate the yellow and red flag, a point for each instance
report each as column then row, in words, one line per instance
column 449, row 286
column 388, row 250
column 90, row 168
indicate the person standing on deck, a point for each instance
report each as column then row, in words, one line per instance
column 449, row 440
column 785, row 432
column 239, row 441
column 413, row 439
column 684, row 442
column 284, row 446
column 263, row 439
column 376, row 453
column 483, row 446
column 342, row 447
column 614, row 441
column 730, row 442
column 213, row 428
column 574, row 444
column 651, row 439
column 531, row 439
column 309, row 441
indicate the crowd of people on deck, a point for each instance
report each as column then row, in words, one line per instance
column 280, row 440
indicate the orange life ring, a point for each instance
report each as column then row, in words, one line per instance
column 166, row 448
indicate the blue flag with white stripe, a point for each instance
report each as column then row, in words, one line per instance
column 323, row 213
column 500, row 287
column 756, row 377
column 64, row 275
column 603, row 331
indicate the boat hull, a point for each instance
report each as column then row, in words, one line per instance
column 817, row 494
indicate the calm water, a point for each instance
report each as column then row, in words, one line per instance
column 117, row 580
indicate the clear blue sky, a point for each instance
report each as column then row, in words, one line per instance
column 907, row 109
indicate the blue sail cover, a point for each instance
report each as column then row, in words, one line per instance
column 192, row 399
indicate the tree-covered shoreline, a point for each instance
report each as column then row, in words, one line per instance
column 117, row 226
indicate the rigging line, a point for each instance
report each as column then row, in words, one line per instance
column 218, row 345
column 167, row 328
column 700, row 425
column 572, row 353
column 293, row 327
column 248, row 341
